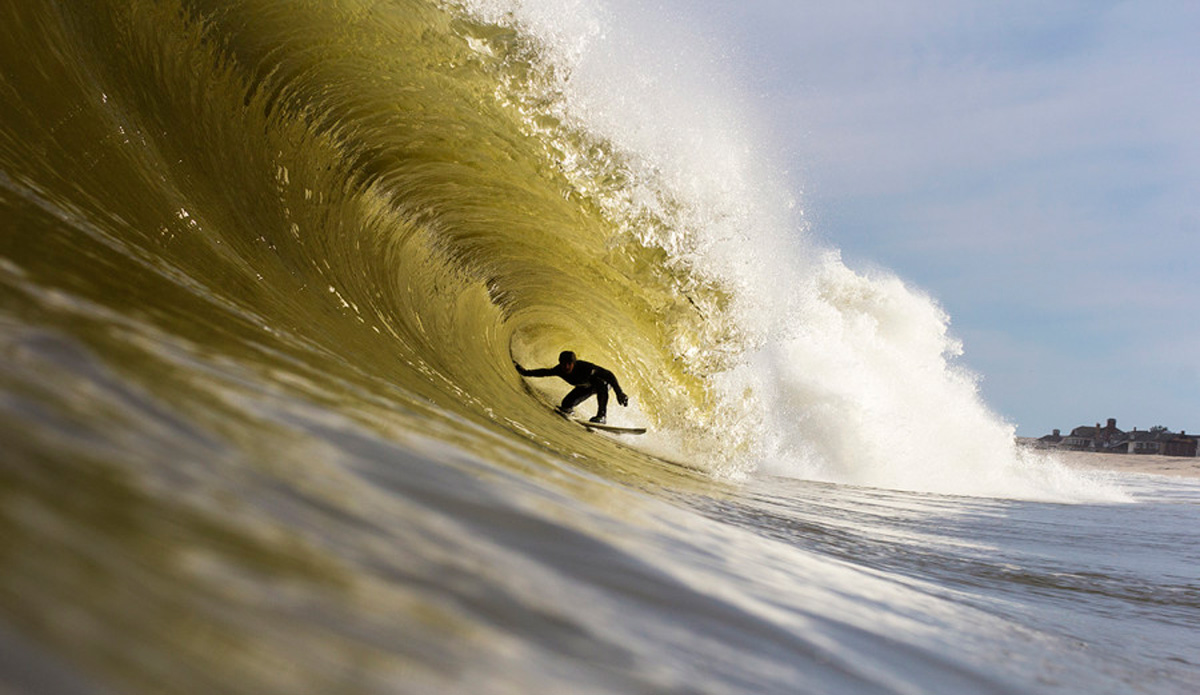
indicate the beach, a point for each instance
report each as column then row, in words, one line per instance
column 1151, row 464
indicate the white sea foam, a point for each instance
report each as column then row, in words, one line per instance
column 845, row 376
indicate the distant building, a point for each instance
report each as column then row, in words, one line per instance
column 1145, row 443
column 1180, row 445
column 1109, row 439
column 1053, row 439
column 1081, row 439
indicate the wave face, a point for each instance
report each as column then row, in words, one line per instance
column 407, row 196
column 265, row 268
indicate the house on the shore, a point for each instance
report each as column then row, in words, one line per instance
column 1050, row 440
column 1110, row 439
column 1107, row 438
column 1160, row 441
column 1145, row 443
column 1180, row 445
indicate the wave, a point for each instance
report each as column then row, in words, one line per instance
column 385, row 203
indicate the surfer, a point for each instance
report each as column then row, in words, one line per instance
column 588, row 380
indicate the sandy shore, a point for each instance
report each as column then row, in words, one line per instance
column 1130, row 463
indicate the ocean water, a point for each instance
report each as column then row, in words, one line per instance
column 264, row 268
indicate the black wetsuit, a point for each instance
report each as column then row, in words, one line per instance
column 588, row 379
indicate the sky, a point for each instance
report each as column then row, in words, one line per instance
column 1033, row 166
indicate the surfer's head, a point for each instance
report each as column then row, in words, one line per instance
column 566, row 358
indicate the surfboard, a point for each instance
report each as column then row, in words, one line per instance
column 610, row 428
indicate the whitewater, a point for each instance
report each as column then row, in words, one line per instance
column 264, row 271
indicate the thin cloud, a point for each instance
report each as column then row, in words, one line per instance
column 1033, row 167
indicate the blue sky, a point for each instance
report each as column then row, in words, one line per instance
column 1033, row 166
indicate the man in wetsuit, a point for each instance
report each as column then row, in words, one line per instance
column 588, row 380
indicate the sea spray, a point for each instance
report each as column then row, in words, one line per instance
column 813, row 370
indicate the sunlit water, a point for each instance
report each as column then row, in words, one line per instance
column 264, row 268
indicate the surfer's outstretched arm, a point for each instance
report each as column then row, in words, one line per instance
column 534, row 372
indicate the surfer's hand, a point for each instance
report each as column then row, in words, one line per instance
column 622, row 399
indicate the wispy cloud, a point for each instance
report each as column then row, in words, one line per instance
column 1033, row 166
